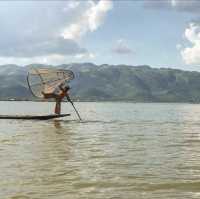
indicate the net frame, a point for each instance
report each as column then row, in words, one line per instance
column 49, row 79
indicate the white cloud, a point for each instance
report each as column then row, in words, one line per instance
column 74, row 31
column 54, row 59
column 178, row 46
column 191, row 55
column 31, row 30
column 97, row 12
column 45, row 47
column 85, row 55
column 49, row 59
column 121, row 47
column 71, row 5
column 89, row 21
column 173, row 3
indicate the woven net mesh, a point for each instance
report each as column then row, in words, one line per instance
column 47, row 80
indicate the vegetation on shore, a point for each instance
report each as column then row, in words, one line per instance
column 111, row 83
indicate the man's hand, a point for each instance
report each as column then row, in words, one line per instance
column 68, row 98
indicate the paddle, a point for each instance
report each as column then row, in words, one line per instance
column 68, row 98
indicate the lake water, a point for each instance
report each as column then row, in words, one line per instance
column 119, row 151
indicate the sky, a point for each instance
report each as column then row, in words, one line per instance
column 159, row 33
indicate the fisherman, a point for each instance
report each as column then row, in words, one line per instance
column 58, row 95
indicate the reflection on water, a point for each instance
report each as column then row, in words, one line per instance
column 120, row 150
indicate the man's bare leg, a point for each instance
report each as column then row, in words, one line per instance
column 58, row 106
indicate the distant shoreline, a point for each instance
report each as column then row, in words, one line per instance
column 105, row 101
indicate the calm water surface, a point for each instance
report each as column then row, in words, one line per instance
column 120, row 150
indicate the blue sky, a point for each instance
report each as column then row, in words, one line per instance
column 151, row 34
column 162, row 33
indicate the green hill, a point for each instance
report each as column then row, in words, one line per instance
column 107, row 82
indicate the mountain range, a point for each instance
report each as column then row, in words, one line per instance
column 110, row 83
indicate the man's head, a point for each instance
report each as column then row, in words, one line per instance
column 66, row 88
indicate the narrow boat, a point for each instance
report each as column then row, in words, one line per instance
column 33, row 117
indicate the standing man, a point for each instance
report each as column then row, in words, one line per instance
column 58, row 96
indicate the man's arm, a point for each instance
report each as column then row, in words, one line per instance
column 61, row 88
